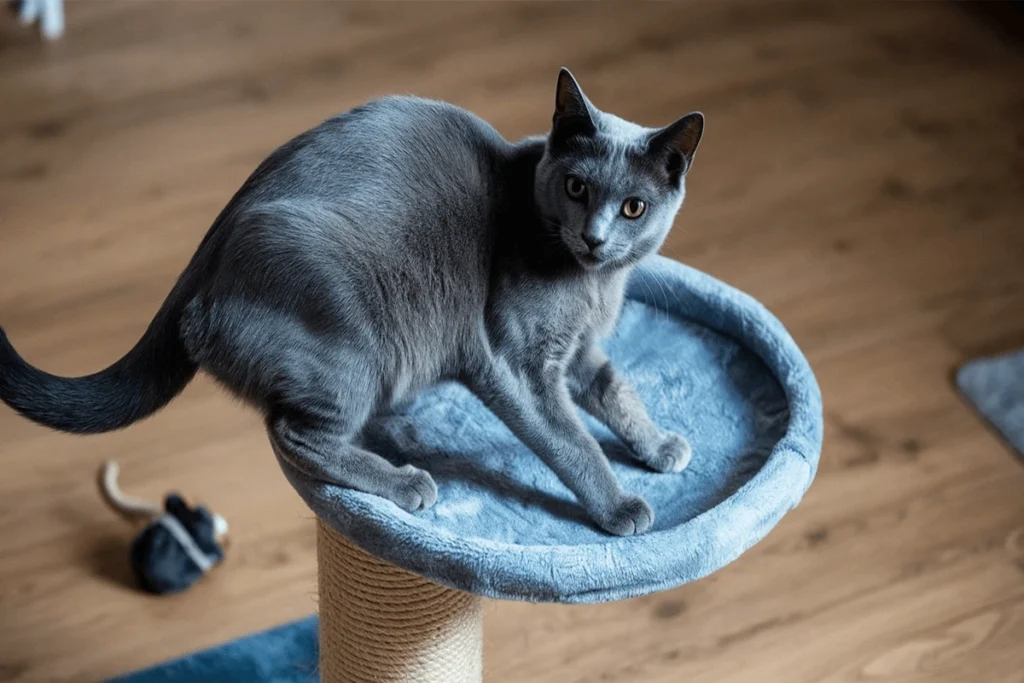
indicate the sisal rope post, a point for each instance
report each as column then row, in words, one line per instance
column 383, row 624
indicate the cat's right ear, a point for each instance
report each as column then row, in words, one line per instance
column 573, row 112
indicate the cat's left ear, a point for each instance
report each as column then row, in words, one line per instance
column 677, row 143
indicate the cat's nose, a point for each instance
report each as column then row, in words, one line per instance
column 592, row 241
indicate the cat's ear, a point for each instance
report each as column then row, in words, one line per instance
column 573, row 112
column 677, row 143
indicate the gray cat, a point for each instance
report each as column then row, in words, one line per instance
column 397, row 245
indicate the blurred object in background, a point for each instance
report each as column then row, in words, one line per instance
column 1006, row 19
column 48, row 13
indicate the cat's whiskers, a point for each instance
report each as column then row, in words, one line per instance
column 650, row 293
column 659, row 281
column 556, row 226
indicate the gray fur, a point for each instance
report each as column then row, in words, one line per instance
column 405, row 242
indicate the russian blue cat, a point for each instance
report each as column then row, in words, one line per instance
column 400, row 244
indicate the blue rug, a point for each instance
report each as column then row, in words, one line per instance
column 286, row 654
column 995, row 386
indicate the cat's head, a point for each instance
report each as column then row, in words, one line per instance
column 607, row 188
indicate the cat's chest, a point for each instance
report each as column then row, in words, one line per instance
column 605, row 308
column 553, row 321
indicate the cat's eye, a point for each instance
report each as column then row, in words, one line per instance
column 574, row 187
column 633, row 207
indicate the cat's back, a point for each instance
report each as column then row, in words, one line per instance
column 401, row 188
column 377, row 224
column 394, row 154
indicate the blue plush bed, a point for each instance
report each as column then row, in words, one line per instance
column 709, row 362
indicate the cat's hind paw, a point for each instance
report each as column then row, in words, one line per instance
column 673, row 454
column 415, row 490
column 631, row 516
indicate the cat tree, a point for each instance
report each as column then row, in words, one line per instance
column 400, row 593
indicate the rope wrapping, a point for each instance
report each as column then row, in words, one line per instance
column 383, row 624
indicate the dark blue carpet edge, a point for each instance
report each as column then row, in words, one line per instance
column 284, row 654
column 994, row 386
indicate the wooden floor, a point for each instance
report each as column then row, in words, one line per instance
column 862, row 173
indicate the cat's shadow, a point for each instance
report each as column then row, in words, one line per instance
column 102, row 549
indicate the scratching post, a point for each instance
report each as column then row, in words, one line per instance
column 383, row 624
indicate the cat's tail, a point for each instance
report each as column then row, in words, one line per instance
column 156, row 369
column 142, row 382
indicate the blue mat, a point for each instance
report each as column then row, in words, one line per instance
column 995, row 386
column 286, row 654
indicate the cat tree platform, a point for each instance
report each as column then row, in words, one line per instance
column 400, row 592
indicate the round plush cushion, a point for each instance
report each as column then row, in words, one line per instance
column 708, row 361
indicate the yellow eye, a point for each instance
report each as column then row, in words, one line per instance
column 633, row 207
column 574, row 187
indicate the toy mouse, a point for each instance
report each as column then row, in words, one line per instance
column 177, row 546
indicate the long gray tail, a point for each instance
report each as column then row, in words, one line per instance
column 142, row 382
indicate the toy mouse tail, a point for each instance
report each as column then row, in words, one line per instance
column 128, row 507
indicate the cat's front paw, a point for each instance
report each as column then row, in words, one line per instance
column 414, row 489
column 673, row 454
column 632, row 515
